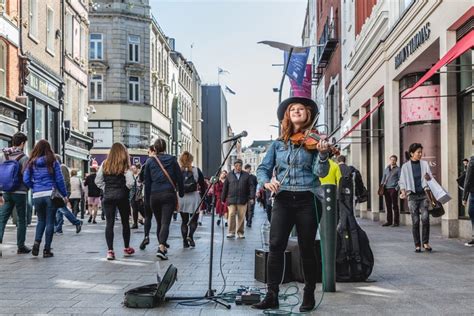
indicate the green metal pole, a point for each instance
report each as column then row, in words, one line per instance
column 328, row 237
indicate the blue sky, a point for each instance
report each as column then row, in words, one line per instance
column 225, row 34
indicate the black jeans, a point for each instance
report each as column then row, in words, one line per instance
column 192, row 224
column 418, row 204
column 137, row 207
column 249, row 214
column 75, row 203
column 123, row 206
column 163, row 204
column 391, row 201
column 290, row 209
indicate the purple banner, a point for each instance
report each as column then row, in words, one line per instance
column 303, row 90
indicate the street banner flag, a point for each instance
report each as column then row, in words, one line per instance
column 222, row 71
column 227, row 89
column 303, row 90
column 297, row 65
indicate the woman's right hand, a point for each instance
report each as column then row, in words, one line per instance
column 403, row 194
column 273, row 186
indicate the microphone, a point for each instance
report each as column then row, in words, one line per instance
column 243, row 134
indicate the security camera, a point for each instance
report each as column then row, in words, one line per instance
column 92, row 109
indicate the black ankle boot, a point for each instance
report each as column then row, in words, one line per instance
column 269, row 302
column 308, row 301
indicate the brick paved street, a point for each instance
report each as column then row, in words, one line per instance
column 78, row 280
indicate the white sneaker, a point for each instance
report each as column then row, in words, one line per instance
column 240, row 236
column 469, row 244
column 230, row 235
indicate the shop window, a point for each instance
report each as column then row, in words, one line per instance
column 404, row 5
column 3, row 69
column 33, row 18
column 96, row 86
column 40, row 122
column 50, row 31
column 133, row 89
column 68, row 33
column 96, row 46
column 133, row 48
column 53, row 129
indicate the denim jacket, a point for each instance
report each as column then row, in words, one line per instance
column 306, row 170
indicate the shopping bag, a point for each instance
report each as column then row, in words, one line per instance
column 440, row 194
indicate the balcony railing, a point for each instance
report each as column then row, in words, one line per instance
column 326, row 46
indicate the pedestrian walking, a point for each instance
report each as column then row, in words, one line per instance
column 65, row 211
column 251, row 204
column 13, row 162
column 146, row 206
column 93, row 195
column 414, row 186
column 136, row 195
column 221, row 207
column 238, row 190
column 469, row 193
column 77, row 192
column 43, row 175
column 295, row 200
column 194, row 188
column 163, row 178
column 389, row 189
column 115, row 179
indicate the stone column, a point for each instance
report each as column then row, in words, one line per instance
column 364, row 213
column 374, row 166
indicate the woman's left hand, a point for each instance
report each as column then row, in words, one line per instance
column 323, row 146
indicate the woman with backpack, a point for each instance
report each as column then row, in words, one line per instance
column 43, row 175
column 162, row 179
column 115, row 179
column 194, row 187
column 295, row 187
column 413, row 185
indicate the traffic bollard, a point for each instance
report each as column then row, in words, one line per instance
column 328, row 237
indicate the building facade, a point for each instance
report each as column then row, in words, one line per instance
column 12, row 106
column 395, row 44
column 76, row 143
column 129, row 78
column 196, row 117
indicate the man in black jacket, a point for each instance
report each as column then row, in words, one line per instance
column 250, row 206
column 238, row 190
column 469, row 191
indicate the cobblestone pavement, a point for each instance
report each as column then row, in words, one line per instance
column 78, row 280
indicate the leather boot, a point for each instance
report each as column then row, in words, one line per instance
column 308, row 301
column 269, row 302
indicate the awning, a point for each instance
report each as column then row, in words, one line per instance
column 467, row 42
column 361, row 120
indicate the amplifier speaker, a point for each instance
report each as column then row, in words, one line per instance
column 261, row 258
column 297, row 266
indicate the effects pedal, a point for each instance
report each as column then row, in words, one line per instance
column 247, row 297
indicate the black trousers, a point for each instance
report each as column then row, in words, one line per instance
column 75, row 203
column 391, row 201
column 185, row 217
column 123, row 206
column 292, row 209
column 137, row 207
column 162, row 204
column 250, row 211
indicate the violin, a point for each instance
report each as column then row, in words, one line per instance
column 310, row 140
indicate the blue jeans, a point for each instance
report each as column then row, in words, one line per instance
column 471, row 209
column 12, row 200
column 45, row 211
column 58, row 227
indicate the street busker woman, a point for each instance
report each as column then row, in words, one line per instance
column 295, row 196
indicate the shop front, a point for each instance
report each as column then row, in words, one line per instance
column 12, row 115
column 76, row 150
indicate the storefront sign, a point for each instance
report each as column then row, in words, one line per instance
column 42, row 86
column 422, row 36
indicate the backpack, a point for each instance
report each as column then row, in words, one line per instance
column 354, row 257
column 351, row 183
column 190, row 181
column 10, row 174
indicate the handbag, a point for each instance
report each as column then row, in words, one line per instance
column 57, row 199
column 169, row 179
column 435, row 208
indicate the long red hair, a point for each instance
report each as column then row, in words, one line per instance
column 287, row 127
column 118, row 160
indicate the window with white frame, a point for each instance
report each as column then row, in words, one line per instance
column 68, row 33
column 33, row 17
column 134, row 48
column 96, row 88
column 68, row 103
column 82, row 46
column 133, row 89
column 50, row 30
column 3, row 69
column 96, row 46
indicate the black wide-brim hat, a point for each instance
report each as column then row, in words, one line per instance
column 305, row 101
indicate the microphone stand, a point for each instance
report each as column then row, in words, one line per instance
column 211, row 293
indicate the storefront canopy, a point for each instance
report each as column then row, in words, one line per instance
column 467, row 42
column 360, row 121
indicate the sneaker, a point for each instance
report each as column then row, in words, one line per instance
column 230, row 236
column 469, row 244
column 78, row 227
column 47, row 253
column 185, row 243
column 191, row 242
column 23, row 250
column 134, row 226
column 35, row 249
column 218, row 222
column 128, row 252
column 144, row 243
column 59, row 233
column 240, row 236
column 110, row 255
column 160, row 254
